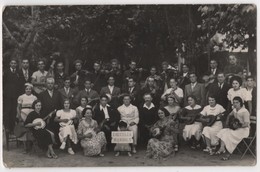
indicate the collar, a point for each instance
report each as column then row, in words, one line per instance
column 127, row 106
column 242, row 110
column 101, row 107
column 66, row 88
column 12, row 69
column 50, row 91
column 151, row 106
column 109, row 86
column 24, row 70
column 195, row 83
column 195, row 107
column 87, row 90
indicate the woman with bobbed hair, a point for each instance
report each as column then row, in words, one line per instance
column 238, row 121
column 44, row 137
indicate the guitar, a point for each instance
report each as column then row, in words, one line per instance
column 234, row 123
column 209, row 120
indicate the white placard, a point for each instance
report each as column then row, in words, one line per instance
column 122, row 137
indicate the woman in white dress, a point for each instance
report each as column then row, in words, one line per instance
column 192, row 129
column 210, row 132
column 24, row 107
column 237, row 90
column 230, row 138
column 67, row 132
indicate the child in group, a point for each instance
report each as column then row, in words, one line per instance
column 122, row 147
column 67, row 132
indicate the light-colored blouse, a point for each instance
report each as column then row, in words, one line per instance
column 129, row 113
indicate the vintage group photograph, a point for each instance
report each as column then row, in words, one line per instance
column 129, row 85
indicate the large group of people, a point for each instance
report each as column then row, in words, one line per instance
column 163, row 108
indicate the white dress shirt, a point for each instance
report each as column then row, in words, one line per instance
column 111, row 88
column 105, row 111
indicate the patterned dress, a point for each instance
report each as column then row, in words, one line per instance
column 92, row 146
column 164, row 145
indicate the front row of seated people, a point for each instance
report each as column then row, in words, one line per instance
column 85, row 127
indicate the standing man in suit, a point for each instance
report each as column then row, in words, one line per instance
column 78, row 77
column 106, row 117
column 91, row 94
column 111, row 91
column 219, row 89
column 24, row 74
column 196, row 89
column 133, row 90
column 184, row 76
column 10, row 95
column 51, row 100
column 59, row 76
column 213, row 71
column 68, row 93
column 97, row 77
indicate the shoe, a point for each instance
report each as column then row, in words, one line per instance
column 117, row 154
column 134, row 150
column 101, row 155
column 63, row 145
column 193, row 147
column 70, row 151
column 129, row 153
column 207, row 149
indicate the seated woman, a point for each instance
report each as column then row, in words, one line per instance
column 67, row 132
column 210, row 132
column 79, row 109
column 232, row 136
column 24, row 107
column 44, row 137
column 192, row 129
column 173, row 108
column 164, row 133
column 92, row 140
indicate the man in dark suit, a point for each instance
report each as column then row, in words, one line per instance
column 97, row 77
column 59, row 76
column 213, row 71
column 78, row 77
column 10, row 95
column 196, row 89
column 91, row 94
column 112, row 91
column 51, row 100
column 133, row 90
column 106, row 117
column 24, row 74
column 219, row 89
column 183, row 78
column 68, row 93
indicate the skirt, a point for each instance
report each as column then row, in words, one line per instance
column 232, row 138
column 93, row 146
column 68, row 130
column 192, row 130
column 159, row 149
column 28, row 135
column 212, row 131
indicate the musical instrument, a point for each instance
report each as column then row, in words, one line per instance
column 43, row 124
column 209, row 120
column 62, row 124
column 234, row 123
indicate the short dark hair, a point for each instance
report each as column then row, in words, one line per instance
column 236, row 78
column 35, row 102
column 126, row 95
column 85, row 110
column 193, row 97
column 103, row 96
column 122, row 124
column 87, row 80
column 239, row 99
column 84, row 97
column 165, row 111
column 250, row 77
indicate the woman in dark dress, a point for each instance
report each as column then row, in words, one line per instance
column 44, row 137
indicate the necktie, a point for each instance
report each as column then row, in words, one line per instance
column 220, row 86
column 13, row 70
column 26, row 75
column 67, row 91
column 130, row 90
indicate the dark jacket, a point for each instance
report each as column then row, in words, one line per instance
column 221, row 94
